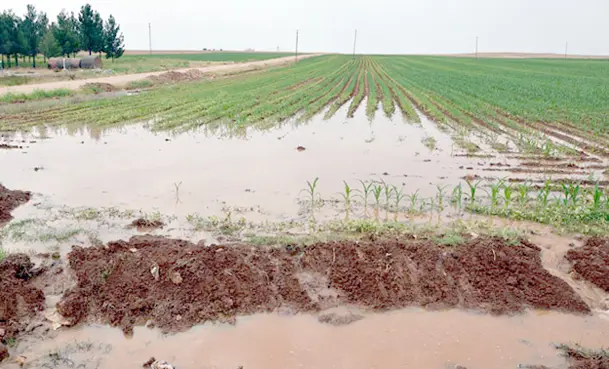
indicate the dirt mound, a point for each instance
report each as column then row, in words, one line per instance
column 99, row 87
column 483, row 274
column 177, row 284
column 19, row 299
column 173, row 76
column 591, row 261
column 9, row 200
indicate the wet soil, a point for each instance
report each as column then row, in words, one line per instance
column 20, row 300
column 585, row 359
column 591, row 261
column 146, row 224
column 177, row 284
column 9, row 200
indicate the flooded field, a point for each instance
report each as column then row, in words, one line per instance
column 341, row 240
column 400, row 339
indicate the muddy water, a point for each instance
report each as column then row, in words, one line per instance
column 203, row 171
column 402, row 339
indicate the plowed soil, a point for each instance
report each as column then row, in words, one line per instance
column 591, row 261
column 9, row 200
column 177, row 284
column 19, row 299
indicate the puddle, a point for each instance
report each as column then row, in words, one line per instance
column 402, row 339
column 194, row 172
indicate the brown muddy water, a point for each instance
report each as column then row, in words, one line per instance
column 132, row 167
column 410, row 338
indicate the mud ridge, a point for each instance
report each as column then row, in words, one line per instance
column 9, row 200
column 591, row 261
column 176, row 284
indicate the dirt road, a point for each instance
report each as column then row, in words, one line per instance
column 124, row 79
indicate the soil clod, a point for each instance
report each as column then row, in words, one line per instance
column 591, row 261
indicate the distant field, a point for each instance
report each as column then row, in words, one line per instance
column 210, row 56
column 496, row 95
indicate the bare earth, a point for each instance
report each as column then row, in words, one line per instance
column 124, row 79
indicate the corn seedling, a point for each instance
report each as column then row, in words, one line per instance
column 311, row 191
column 365, row 192
column 523, row 193
column 176, row 186
column 440, row 197
column 387, row 190
column 495, row 188
column 544, row 193
column 473, row 188
column 456, row 197
column 399, row 196
column 413, row 198
column 347, row 198
column 507, row 194
column 377, row 192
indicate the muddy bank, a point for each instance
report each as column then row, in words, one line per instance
column 19, row 299
column 9, row 200
column 581, row 358
column 178, row 284
column 591, row 261
column 175, row 284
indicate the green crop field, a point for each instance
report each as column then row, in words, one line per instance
column 520, row 100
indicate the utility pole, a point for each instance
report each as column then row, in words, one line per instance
column 476, row 47
column 354, row 42
column 150, row 38
column 296, row 45
column 566, row 49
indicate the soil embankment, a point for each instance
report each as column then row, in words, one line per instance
column 176, row 284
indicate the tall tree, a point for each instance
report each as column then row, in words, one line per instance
column 91, row 29
column 98, row 33
column 114, row 46
column 66, row 33
column 49, row 46
column 16, row 36
column 6, row 20
column 33, row 29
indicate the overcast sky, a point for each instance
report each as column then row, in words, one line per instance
column 384, row 26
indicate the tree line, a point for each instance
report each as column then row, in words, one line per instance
column 31, row 35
